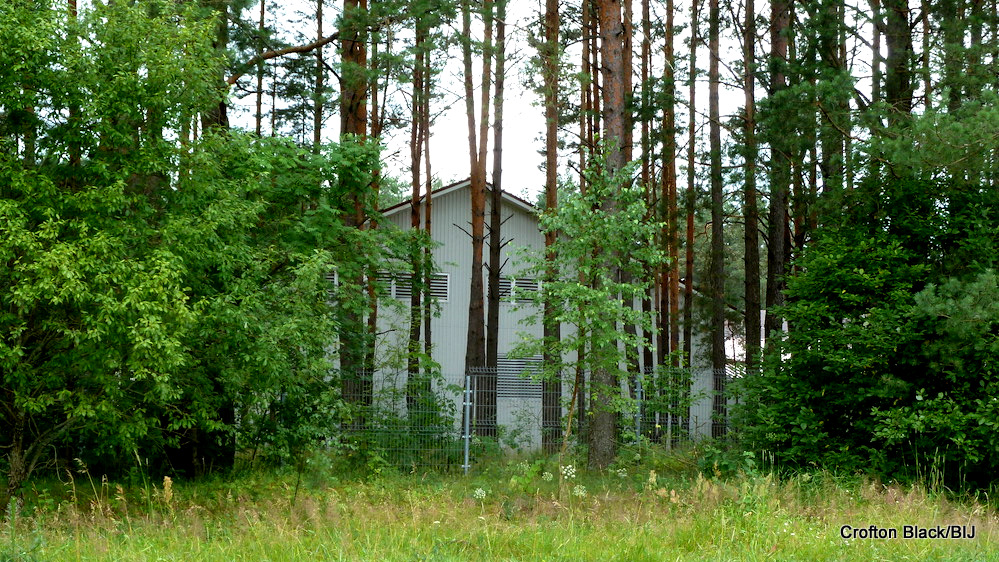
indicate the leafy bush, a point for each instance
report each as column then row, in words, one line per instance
column 162, row 294
column 890, row 361
column 952, row 418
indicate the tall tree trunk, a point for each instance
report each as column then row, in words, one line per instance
column 353, row 123
column 588, row 118
column 717, row 282
column 669, row 173
column 377, row 122
column 780, row 168
column 994, row 51
column 475, row 352
column 977, row 73
column 551, row 389
column 496, row 201
column 924, row 8
column 596, row 76
column 353, row 72
column 416, row 139
column 659, row 277
column 216, row 116
column 317, row 110
column 751, row 208
column 691, row 196
column 951, row 15
column 603, row 447
column 627, row 147
column 899, row 86
column 261, row 66
column 585, row 100
column 876, row 61
column 671, row 270
column 628, row 141
column 75, row 148
column 428, row 207
column 833, row 109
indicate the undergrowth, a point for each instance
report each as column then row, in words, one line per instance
column 653, row 504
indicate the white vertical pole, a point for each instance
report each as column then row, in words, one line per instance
column 639, row 395
column 468, row 418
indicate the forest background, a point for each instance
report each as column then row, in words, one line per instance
column 165, row 288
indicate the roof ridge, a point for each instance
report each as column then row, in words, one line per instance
column 456, row 185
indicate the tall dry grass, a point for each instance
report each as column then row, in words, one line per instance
column 509, row 512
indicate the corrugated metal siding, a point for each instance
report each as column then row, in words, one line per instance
column 453, row 255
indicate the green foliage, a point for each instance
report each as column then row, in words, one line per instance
column 720, row 461
column 889, row 364
column 605, row 243
column 96, row 312
column 950, row 420
column 940, row 141
column 162, row 296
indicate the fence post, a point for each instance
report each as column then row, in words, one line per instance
column 639, row 398
column 468, row 419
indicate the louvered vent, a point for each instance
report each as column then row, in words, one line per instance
column 517, row 378
column 518, row 290
column 526, row 289
column 400, row 285
column 439, row 286
column 403, row 286
column 504, row 288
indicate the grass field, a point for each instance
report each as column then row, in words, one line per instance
column 526, row 510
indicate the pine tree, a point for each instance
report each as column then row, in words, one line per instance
column 551, row 391
column 496, row 199
column 750, row 205
column 612, row 49
column 780, row 166
column 717, row 271
column 475, row 352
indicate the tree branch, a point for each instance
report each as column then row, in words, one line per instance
column 274, row 53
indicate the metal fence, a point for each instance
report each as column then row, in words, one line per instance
column 404, row 421
column 420, row 421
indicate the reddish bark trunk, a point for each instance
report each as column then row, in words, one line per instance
column 612, row 48
column 475, row 352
